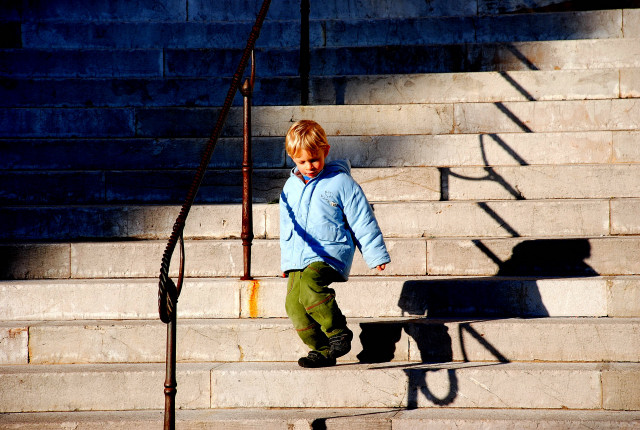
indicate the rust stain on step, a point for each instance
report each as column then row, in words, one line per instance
column 254, row 287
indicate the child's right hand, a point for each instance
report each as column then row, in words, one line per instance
column 381, row 267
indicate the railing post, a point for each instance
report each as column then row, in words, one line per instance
column 247, row 170
column 170, row 382
column 305, row 61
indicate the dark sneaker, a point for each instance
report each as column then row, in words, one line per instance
column 340, row 344
column 315, row 359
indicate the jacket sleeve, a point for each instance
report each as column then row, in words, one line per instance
column 286, row 231
column 362, row 222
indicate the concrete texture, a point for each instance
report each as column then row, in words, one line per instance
column 335, row 419
column 375, row 339
column 113, row 387
column 540, row 386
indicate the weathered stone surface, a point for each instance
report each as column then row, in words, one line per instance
column 479, row 57
column 504, row 419
column 559, row 55
column 102, row 299
column 542, row 182
column 14, row 344
column 620, row 387
column 472, row 87
column 510, row 6
column 441, row 297
column 543, row 386
column 133, row 154
column 220, row 419
column 33, row 261
column 81, row 63
column 227, row 340
column 560, row 257
column 359, row 297
column 106, row 387
column 551, row 116
column 630, row 82
column 623, row 297
column 408, row 183
column 150, row 34
column 625, row 147
column 139, row 222
column 217, row 258
column 509, row 149
column 623, row 216
column 345, row 418
column 276, row 120
column 138, row 10
column 631, row 28
column 545, row 339
column 598, row 24
column 145, row 341
column 41, row 188
column 494, row 219
column 561, row 340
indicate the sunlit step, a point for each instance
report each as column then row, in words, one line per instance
column 608, row 386
column 375, row 340
column 361, row 297
column 378, row 418
column 536, row 256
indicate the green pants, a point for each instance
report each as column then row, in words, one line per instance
column 311, row 305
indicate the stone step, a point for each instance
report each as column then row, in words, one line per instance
column 212, row 298
column 366, row 31
column 329, row 61
column 112, row 387
column 412, row 119
column 477, row 385
column 579, row 256
column 506, row 86
column 199, row 11
column 540, row 6
column 412, row 59
column 603, row 387
column 426, row 184
column 375, row 340
column 442, row 150
column 308, row 419
column 490, row 219
column 378, row 89
column 361, row 120
column 479, row 57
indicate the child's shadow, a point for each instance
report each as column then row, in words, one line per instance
column 514, row 293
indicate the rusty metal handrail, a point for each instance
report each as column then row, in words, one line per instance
column 304, row 68
column 168, row 291
column 247, row 171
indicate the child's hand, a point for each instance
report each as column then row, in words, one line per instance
column 381, row 267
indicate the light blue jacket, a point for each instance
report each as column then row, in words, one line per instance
column 325, row 219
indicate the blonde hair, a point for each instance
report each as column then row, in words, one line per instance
column 306, row 135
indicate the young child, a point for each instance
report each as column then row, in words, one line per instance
column 324, row 215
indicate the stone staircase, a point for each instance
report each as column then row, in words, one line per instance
column 497, row 142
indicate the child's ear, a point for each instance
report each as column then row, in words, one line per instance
column 326, row 151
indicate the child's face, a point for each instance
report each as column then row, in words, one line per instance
column 310, row 164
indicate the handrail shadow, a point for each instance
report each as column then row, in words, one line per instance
column 433, row 306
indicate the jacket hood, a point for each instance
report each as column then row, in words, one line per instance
column 333, row 166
